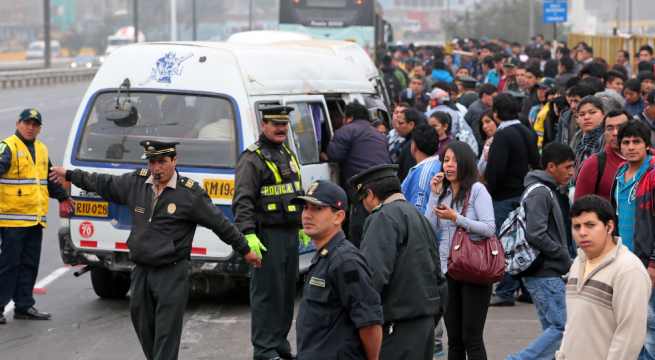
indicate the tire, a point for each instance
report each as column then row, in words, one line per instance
column 109, row 284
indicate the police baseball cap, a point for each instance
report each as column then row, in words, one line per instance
column 276, row 113
column 30, row 114
column 325, row 193
column 154, row 149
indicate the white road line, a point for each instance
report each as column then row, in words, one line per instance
column 42, row 284
column 11, row 109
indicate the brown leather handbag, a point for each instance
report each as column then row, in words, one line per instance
column 477, row 262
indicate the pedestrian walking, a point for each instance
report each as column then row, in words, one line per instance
column 458, row 199
column 25, row 189
column 166, row 209
column 607, row 290
column 399, row 245
column 340, row 313
column 267, row 179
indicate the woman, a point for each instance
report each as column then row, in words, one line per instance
column 442, row 123
column 466, row 311
column 589, row 139
column 488, row 127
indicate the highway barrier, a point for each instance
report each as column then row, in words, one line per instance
column 24, row 78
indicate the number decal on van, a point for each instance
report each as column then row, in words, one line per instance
column 91, row 208
column 220, row 189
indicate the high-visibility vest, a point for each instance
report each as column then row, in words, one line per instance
column 24, row 186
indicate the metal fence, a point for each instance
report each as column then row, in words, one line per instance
column 607, row 46
column 13, row 79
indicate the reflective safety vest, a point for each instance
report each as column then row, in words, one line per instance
column 24, row 186
column 276, row 199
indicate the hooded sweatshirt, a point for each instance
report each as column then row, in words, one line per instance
column 546, row 228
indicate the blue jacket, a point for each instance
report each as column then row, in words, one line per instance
column 416, row 186
column 442, row 75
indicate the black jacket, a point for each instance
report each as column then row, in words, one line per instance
column 161, row 235
column 405, row 159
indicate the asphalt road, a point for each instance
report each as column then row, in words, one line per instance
column 86, row 327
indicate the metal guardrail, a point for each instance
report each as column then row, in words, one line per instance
column 14, row 79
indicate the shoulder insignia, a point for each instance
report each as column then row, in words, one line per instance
column 324, row 252
column 143, row 172
column 253, row 147
column 189, row 183
column 3, row 146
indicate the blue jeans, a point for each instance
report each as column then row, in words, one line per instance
column 648, row 351
column 508, row 285
column 548, row 294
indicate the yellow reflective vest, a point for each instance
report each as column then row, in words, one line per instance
column 24, row 186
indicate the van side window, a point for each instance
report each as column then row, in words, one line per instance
column 307, row 130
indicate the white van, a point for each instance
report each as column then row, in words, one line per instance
column 36, row 50
column 205, row 96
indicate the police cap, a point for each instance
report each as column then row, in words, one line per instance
column 373, row 174
column 153, row 149
column 276, row 113
column 468, row 82
column 325, row 193
column 30, row 114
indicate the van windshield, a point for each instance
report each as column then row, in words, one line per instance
column 204, row 126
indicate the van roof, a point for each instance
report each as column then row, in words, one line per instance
column 280, row 68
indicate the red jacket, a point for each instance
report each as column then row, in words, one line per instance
column 586, row 180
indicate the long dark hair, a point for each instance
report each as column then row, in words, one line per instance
column 489, row 114
column 467, row 171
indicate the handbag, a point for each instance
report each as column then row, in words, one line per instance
column 478, row 262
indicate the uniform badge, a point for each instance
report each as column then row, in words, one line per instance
column 171, row 208
column 324, row 252
column 312, row 188
column 189, row 183
column 143, row 172
column 317, row 282
column 140, row 210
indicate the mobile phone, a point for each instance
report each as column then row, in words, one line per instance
column 441, row 207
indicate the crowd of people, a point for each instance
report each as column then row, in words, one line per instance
column 488, row 127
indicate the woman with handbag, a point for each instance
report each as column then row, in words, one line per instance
column 460, row 205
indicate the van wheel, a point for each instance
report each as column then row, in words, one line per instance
column 110, row 284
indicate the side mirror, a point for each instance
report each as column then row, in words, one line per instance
column 124, row 115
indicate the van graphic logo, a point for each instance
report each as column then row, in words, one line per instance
column 168, row 66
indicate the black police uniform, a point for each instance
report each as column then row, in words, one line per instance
column 160, row 246
column 338, row 299
column 400, row 247
column 267, row 180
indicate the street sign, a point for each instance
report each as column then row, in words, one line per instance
column 555, row 11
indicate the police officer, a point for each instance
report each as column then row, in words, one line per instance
column 340, row 314
column 24, row 192
column 399, row 245
column 267, row 180
column 166, row 208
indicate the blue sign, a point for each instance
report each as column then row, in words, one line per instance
column 555, row 11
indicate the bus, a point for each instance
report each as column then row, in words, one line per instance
column 360, row 21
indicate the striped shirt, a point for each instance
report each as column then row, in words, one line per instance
column 416, row 186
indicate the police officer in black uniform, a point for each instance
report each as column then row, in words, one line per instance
column 267, row 180
column 340, row 314
column 401, row 249
column 166, row 208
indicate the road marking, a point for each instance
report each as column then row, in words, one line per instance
column 11, row 109
column 42, row 284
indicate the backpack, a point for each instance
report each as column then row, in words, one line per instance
column 519, row 254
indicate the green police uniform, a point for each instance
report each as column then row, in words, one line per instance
column 267, row 180
column 160, row 245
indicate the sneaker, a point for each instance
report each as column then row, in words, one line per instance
column 497, row 301
column 438, row 351
column 31, row 314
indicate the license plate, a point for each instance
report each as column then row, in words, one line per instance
column 91, row 208
column 219, row 189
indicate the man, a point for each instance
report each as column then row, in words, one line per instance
column 267, row 179
column 598, row 171
column 25, row 189
column 340, row 314
column 565, row 72
column 623, row 59
column 634, row 141
column 615, row 81
column 512, row 153
column 584, row 55
column 415, row 94
column 547, row 232
column 416, row 186
column 634, row 104
column 394, row 139
column 357, row 146
column 645, row 53
column 647, row 117
column 532, row 76
column 407, row 122
column 166, row 209
column 468, row 94
column 568, row 125
column 607, row 291
column 479, row 107
column 400, row 246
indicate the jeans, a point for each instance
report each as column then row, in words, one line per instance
column 648, row 351
column 508, row 285
column 548, row 294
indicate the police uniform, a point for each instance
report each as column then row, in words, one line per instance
column 163, row 227
column 267, row 180
column 400, row 247
column 24, row 193
column 338, row 296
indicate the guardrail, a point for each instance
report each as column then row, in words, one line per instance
column 14, row 79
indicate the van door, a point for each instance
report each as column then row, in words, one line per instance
column 310, row 133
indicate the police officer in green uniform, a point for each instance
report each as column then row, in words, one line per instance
column 401, row 249
column 340, row 314
column 267, row 180
column 166, row 208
